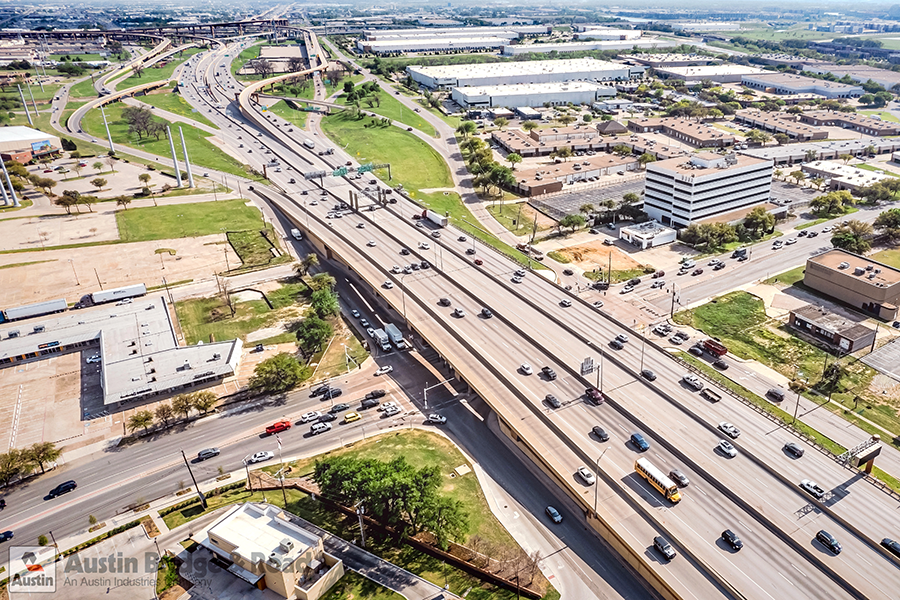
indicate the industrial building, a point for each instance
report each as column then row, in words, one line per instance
column 861, row 282
column 508, row 73
column 659, row 61
column 564, row 47
column 837, row 331
column 613, row 105
column 647, row 235
column 608, row 33
column 442, row 44
column 839, row 176
column 727, row 73
column 785, row 83
column 531, row 94
column 680, row 191
column 552, row 178
column 24, row 144
column 856, row 122
column 858, row 73
column 689, row 131
column 780, row 122
column 791, row 154
column 530, row 144
column 433, row 32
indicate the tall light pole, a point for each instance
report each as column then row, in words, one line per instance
column 106, row 125
column 74, row 273
column 597, row 484
column 799, row 390
column 643, row 341
column 438, row 384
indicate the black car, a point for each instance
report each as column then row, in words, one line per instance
column 6, row 535
column 63, row 488
column 486, row 313
column 404, row 251
column 813, row 234
column 721, row 365
column 793, row 449
column 332, row 393
column 829, row 541
column 339, row 408
column 617, row 344
column 369, row 403
column 679, row 478
column 424, row 264
column 664, row 547
column 548, row 373
column 600, row 433
column 320, row 390
column 552, row 400
column 375, row 394
column 696, row 350
column 329, row 416
column 892, row 546
column 732, row 539
column 648, row 375
column 444, row 301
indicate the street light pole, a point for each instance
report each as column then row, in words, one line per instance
column 438, row 384
column 643, row 341
column 797, row 407
column 597, row 484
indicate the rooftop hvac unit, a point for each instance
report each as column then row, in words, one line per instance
column 869, row 267
column 878, row 270
column 858, row 271
column 286, row 545
column 844, row 265
column 187, row 365
column 871, row 275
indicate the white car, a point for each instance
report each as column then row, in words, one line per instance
column 828, row 229
column 388, row 285
column 370, row 243
column 437, row 419
column 93, row 359
column 729, row 429
column 586, row 476
column 360, row 225
column 371, row 332
column 384, row 370
column 626, row 289
column 598, row 304
column 790, row 241
column 123, row 302
column 310, row 416
column 396, row 269
column 727, row 449
column 565, row 303
column 526, row 368
column 387, row 405
column 714, row 262
column 355, row 313
column 391, row 410
column 261, row 457
column 424, row 246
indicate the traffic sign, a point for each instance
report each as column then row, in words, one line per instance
column 339, row 172
column 587, row 367
column 315, row 174
column 364, row 168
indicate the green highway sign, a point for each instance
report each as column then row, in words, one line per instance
column 340, row 172
column 364, row 168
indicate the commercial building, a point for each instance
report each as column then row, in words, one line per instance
column 789, row 60
column 552, row 178
column 705, row 26
column 780, row 122
column 659, row 61
column 434, row 32
column 679, row 191
column 613, row 105
column 531, row 94
column 684, row 130
column 24, row 144
column 441, row 44
column 508, row 73
column 608, row 33
column 785, row 83
column 861, row 282
column 835, row 330
column 261, row 544
column 525, row 145
column 856, row 122
column 839, row 176
column 564, row 47
column 726, row 73
column 647, row 235
column 858, row 73
column 140, row 358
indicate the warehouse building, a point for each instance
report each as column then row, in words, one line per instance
column 684, row 130
column 861, row 282
column 858, row 73
column 531, row 94
column 608, row 33
column 531, row 144
column 785, row 83
column 24, row 144
column 839, row 176
column 856, row 122
column 780, row 122
column 536, row 71
column 441, row 44
column 718, row 73
column 518, row 49
column 432, row 32
column 791, row 154
column 659, row 61
column 680, row 191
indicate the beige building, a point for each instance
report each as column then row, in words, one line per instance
column 861, row 282
column 264, row 548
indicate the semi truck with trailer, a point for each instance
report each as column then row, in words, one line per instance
column 395, row 336
column 33, row 310
column 381, row 338
column 129, row 291
column 436, row 218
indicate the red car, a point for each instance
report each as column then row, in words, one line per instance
column 278, row 427
column 479, row 262
column 48, row 170
column 594, row 396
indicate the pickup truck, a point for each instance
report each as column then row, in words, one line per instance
column 594, row 396
column 278, row 427
column 711, row 395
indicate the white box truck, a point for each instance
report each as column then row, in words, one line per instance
column 295, row 233
column 435, row 218
column 381, row 338
column 395, row 335
column 309, row 144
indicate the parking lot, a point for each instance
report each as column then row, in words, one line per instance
column 559, row 205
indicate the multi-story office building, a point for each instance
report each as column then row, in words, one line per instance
column 680, row 191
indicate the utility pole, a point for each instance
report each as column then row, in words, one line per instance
column 187, row 162
column 196, row 487
column 360, row 511
column 12, row 191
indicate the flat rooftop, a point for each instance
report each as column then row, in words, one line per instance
column 687, row 127
column 514, row 89
column 709, row 71
column 786, row 121
column 564, row 169
column 832, row 321
column 19, row 133
column 671, row 57
column 793, row 81
column 509, row 69
column 852, row 118
column 833, row 258
column 839, row 146
column 704, row 163
column 863, row 72
column 850, row 174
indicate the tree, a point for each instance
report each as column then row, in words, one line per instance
column 501, row 122
column 97, row 166
column 812, row 155
column 12, row 464
column 303, row 267
column 888, row 225
column 782, row 138
column 587, row 209
column 645, row 159
column 312, row 333
column 68, row 199
column 295, row 63
column 845, row 157
column 445, row 518
column 164, row 413
column 853, row 237
column 831, row 203
column 88, row 201
column 798, row 176
column 182, row 404
column 123, row 201
column 566, row 119
column 466, row 128
column 142, row 419
column 203, row 401
column 98, row 182
column 278, row 374
column 564, row 153
column 572, row 221
column 621, row 150
column 138, row 120
column 324, row 302
column 77, row 168
column 529, row 125
column 322, row 281
column 818, row 182
column 111, row 161
column 42, row 453
column 759, row 221
column 144, row 178
column 513, row 159
column 45, row 184
column 262, row 67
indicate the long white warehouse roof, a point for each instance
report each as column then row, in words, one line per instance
column 512, row 69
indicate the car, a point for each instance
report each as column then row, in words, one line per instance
column 594, row 396
column 370, row 403
column 719, row 267
column 790, row 241
column 892, row 546
column 622, row 338
column 404, row 251
column 743, row 258
column 312, row 415
column 727, row 449
column 387, row 285
column 360, row 225
column 364, row 323
column 436, row 419
column 339, row 408
column 696, row 350
column 424, row 246
column 444, row 301
column 548, row 373
column 813, row 234
column 329, row 416
column 802, row 233
column 278, row 427
column 391, row 409
column 6, row 536
column 435, row 234
column 320, row 390
column 616, row 344
column 370, row 332
column 639, row 442
column 648, row 375
column 486, row 313
column 594, row 230
column 720, row 364
column 565, row 303
column 123, row 302
column 517, row 279
column 396, row 269
column 48, row 170
column 332, row 393
column 526, row 369
column 470, row 251
column 776, row 394
column 459, row 313
column 350, row 417
column 812, row 488
column 586, row 475
column 777, row 245
column 462, row 238
column 627, row 289
column 696, row 272
column 597, row 304
column 601, row 433
column 568, row 272
column 664, row 547
column 68, row 486
column 92, row 359
column 553, row 514
column 732, row 539
column 480, row 262
column 384, row 370
column 793, row 449
column 376, row 394
column 829, row 541
column 552, row 400
column 713, row 262
column 679, row 478
column 729, row 430
column 658, row 284
column 318, row 427
column 260, row 457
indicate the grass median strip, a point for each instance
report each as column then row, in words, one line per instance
column 158, row 73
column 174, row 103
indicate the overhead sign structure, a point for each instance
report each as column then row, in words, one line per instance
column 315, row 174
column 339, row 172
column 587, row 367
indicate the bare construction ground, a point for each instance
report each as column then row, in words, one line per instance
column 597, row 256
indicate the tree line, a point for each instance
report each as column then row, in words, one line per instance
column 167, row 413
column 22, row 462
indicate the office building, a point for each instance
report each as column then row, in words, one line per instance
column 508, row 73
column 531, row 94
column 861, row 282
column 856, row 122
column 785, row 83
column 837, row 331
column 780, row 122
column 689, row 131
column 24, row 144
column 839, row 176
column 680, row 191
column 647, row 235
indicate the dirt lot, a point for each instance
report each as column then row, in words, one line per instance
column 57, row 230
column 115, row 266
column 592, row 256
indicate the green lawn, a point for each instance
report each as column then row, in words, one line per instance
column 789, row 277
column 255, row 249
column 391, row 108
column 297, row 117
column 203, row 153
column 888, row 257
column 77, row 57
column 85, row 89
column 41, row 97
column 174, row 103
column 875, row 169
column 156, row 73
column 186, row 220
column 885, row 116
column 302, row 89
column 356, row 587
column 247, row 54
column 517, row 218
